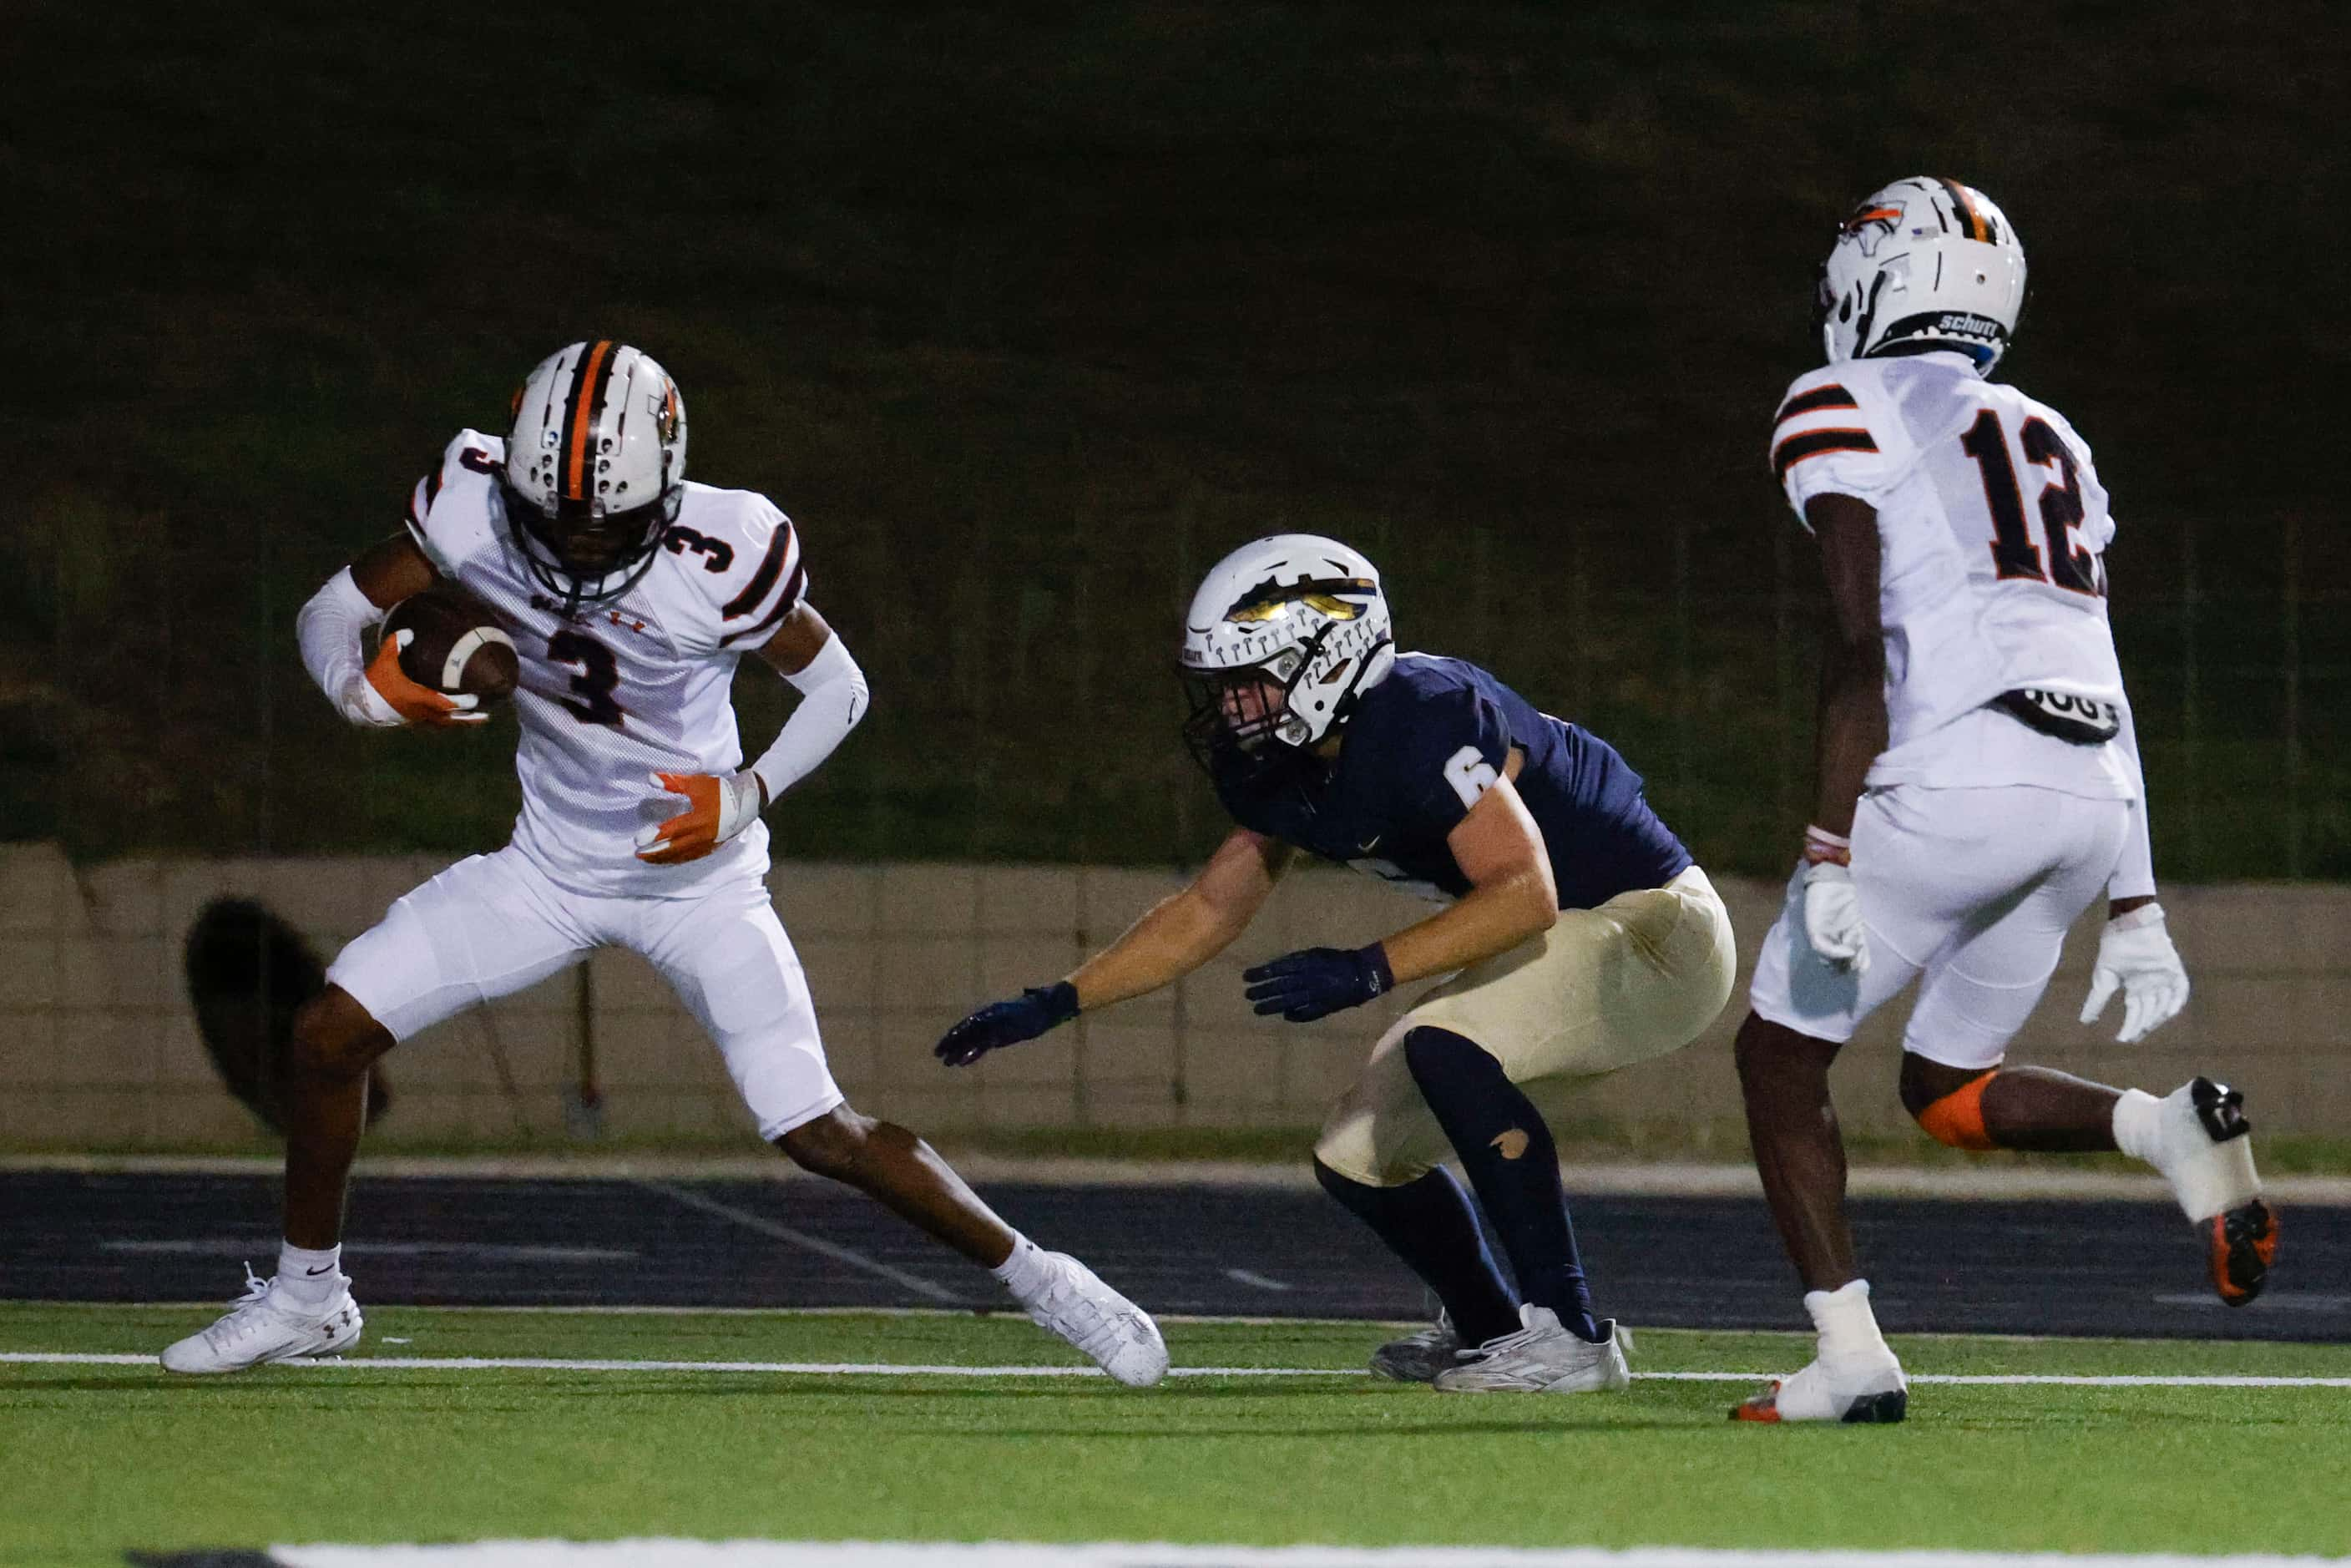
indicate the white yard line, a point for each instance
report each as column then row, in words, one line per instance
column 779, row 1231
column 644, row 1554
column 908, row 1369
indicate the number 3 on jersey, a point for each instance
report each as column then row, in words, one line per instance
column 598, row 677
column 2014, row 555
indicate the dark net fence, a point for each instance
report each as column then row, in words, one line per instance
column 1028, row 320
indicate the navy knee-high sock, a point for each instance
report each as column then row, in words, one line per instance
column 1429, row 1223
column 1512, row 1161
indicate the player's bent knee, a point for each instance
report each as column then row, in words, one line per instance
column 832, row 1144
column 334, row 1037
column 1957, row 1118
column 1764, row 1050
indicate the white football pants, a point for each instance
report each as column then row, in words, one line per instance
column 1974, row 889
column 492, row 924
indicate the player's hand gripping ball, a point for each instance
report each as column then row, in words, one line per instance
column 443, row 659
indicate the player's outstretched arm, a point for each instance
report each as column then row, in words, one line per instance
column 1175, row 936
column 1512, row 896
column 833, row 697
column 1852, row 723
column 330, row 625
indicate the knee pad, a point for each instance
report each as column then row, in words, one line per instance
column 1438, row 1058
column 1356, row 1197
column 1957, row 1119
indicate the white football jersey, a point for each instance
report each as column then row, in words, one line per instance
column 1992, row 529
column 625, row 688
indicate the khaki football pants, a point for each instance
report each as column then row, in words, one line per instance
column 1642, row 974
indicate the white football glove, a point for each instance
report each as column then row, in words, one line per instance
column 2135, row 956
column 718, row 807
column 1833, row 917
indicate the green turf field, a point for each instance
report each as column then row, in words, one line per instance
column 100, row 1458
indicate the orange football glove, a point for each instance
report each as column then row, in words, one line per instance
column 417, row 704
column 716, row 809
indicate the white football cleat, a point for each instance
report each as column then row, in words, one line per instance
column 1117, row 1334
column 2203, row 1148
column 1543, row 1357
column 1420, row 1357
column 1869, row 1390
column 264, row 1326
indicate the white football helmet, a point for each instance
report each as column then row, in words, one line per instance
column 595, row 467
column 1924, row 264
column 1282, row 638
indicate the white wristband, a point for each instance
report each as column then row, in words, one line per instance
column 329, row 629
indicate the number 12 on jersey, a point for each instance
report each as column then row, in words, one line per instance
column 2015, row 558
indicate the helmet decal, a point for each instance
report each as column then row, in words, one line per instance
column 1871, row 225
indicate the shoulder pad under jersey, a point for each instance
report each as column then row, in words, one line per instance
column 452, row 512
column 1833, row 432
column 743, row 557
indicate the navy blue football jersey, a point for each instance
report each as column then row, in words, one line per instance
column 1420, row 748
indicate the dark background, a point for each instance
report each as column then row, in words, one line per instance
column 1028, row 313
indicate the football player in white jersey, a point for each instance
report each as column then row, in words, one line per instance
column 1978, row 784
column 630, row 594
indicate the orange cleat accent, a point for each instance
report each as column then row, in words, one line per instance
column 2245, row 1243
column 1763, row 1407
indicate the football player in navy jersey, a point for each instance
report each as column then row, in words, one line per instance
column 1576, row 938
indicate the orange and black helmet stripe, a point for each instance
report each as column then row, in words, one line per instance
column 1978, row 227
column 580, row 411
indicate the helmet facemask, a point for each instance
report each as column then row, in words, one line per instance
column 1241, row 714
column 587, row 558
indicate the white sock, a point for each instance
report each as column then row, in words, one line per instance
column 1025, row 1273
column 305, row 1278
column 1848, row 1329
column 2138, row 1125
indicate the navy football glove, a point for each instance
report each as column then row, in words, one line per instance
column 999, row 1024
column 1318, row 981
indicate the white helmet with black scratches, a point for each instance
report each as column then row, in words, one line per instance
column 595, row 467
column 1926, row 264
column 1283, row 637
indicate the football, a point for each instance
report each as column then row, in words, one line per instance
column 458, row 646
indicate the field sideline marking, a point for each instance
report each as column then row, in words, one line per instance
column 661, row 1554
column 779, row 1231
column 895, row 1369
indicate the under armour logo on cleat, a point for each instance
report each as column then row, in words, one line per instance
column 1512, row 1140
